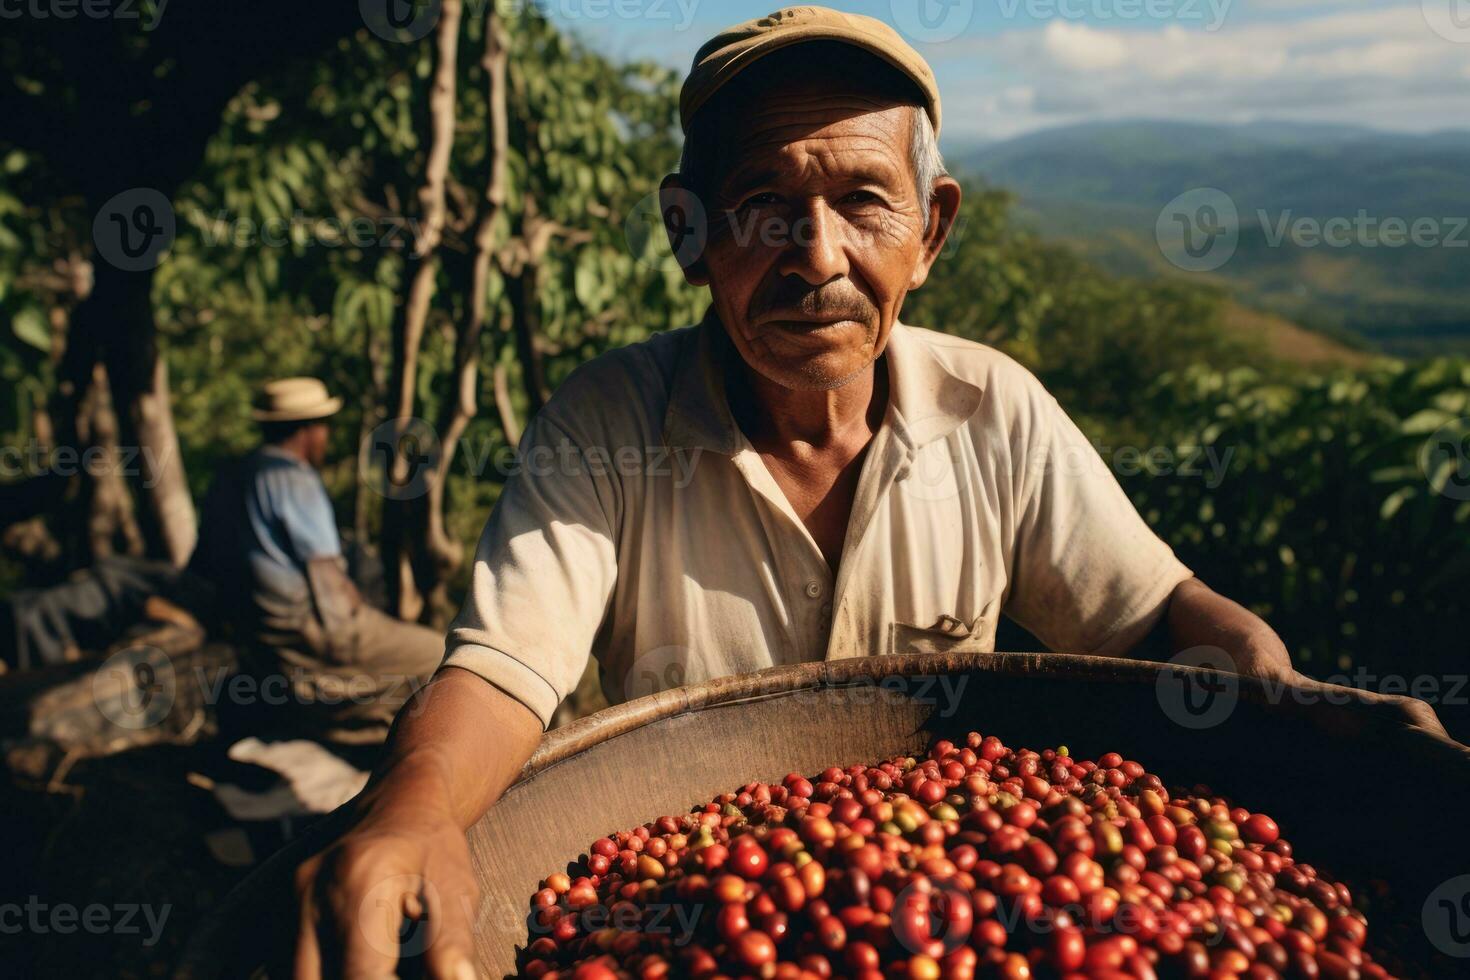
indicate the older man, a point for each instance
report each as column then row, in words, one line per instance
column 857, row 486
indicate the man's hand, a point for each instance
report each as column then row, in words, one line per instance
column 454, row 749
column 394, row 864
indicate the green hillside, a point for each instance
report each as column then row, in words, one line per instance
column 1101, row 187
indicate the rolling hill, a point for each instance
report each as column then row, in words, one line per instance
column 1102, row 187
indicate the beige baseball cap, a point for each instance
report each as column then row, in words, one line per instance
column 736, row 48
column 294, row 400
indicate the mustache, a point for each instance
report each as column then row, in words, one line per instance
column 788, row 300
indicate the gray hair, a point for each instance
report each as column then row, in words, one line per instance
column 925, row 160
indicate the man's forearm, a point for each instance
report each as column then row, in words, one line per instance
column 1198, row 616
column 456, row 746
column 454, row 749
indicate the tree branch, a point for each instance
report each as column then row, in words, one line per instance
column 421, row 270
column 443, row 549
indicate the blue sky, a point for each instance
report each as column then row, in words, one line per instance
column 1011, row 66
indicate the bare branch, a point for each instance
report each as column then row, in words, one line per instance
column 421, row 272
column 443, row 549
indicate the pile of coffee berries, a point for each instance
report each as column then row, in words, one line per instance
column 977, row 860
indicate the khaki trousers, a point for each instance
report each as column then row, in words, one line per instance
column 348, row 667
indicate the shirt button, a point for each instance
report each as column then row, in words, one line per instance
column 814, row 590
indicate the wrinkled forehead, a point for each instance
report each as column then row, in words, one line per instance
column 818, row 133
column 813, row 106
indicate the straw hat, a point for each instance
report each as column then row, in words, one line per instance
column 736, row 48
column 294, row 400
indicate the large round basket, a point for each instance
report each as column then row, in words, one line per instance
column 1357, row 790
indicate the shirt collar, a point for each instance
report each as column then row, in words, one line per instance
column 276, row 452
column 926, row 401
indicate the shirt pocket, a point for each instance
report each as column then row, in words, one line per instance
column 947, row 634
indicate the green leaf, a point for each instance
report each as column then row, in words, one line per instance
column 29, row 325
column 1425, row 421
column 1395, row 501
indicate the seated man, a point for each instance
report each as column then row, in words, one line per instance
column 330, row 664
column 799, row 477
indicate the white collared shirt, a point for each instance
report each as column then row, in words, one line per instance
column 643, row 528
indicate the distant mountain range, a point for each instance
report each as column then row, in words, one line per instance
column 1325, row 229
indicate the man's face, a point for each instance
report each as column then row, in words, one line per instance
column 816, row 234
column 316, row 443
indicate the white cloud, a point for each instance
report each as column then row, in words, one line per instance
column 1381, row 66
column 1078, row 47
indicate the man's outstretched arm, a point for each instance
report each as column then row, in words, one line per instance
column 1198, row 616
column 456, row 746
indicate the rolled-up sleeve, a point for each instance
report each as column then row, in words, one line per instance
column 543, row 574
column 1088, row 575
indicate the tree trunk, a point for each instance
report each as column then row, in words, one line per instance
column 371, row 405
column 112, row 525
column 445, row 553
column 403, row 553
column 505, row 406
column 523, row 290
column 115, row 326
column 165, row 484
